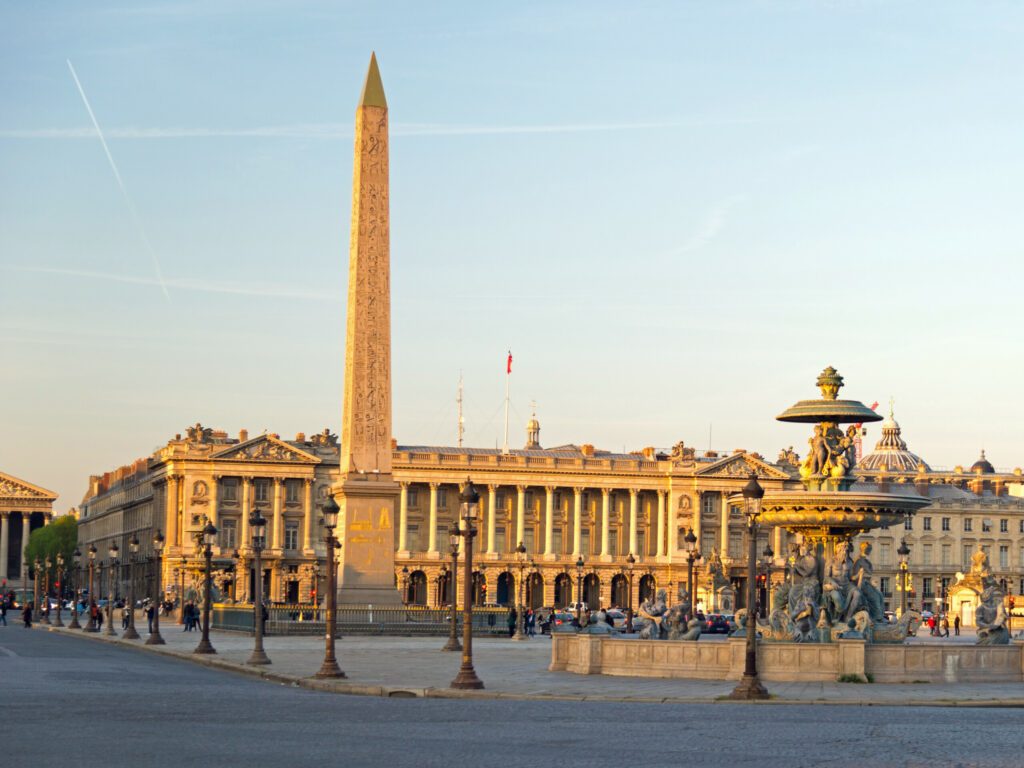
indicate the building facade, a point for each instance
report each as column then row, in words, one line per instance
column 23, row 508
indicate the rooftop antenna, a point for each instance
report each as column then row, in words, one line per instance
column 709, row 436
column 462, row 421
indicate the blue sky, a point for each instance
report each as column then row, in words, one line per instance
column 675, row 215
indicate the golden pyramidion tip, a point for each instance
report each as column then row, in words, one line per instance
column 373, row 88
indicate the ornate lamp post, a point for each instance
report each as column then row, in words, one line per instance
column 630, row 564
column 35, row 589
column 330, row 666
column 154, row 637
column 47, row 564
column 692, row 556
column 258, row 530
column 768, row 561
column 521, row 560
column 453, row 542
column 579, row 589
column 133, row 552
column 209, row 538
column 90, row 625
column 314, row 571
column 470, row 509
column 904, row 554
column 58, row 575
column 405, row 585
column 750, row 685
column 111, row 590
column 77, row 562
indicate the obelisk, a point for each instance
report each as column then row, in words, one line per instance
column 366, row 491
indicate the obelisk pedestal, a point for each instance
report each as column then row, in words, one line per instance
column 366, row 492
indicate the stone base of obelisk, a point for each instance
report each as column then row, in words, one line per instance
column 367, row 534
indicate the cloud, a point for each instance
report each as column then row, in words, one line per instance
column 710, row 227
column 187, row 284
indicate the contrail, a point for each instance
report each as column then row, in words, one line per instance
column 120, row 183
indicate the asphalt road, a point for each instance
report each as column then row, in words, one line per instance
column 65, row 700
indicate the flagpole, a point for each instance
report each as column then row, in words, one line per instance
column 508, row 378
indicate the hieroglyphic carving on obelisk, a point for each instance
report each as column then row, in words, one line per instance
column 366, row 492
column 366, row 418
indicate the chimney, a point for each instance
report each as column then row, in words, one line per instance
column 587, row 450
column 649, row 453
column 300, row 437
column 243, row 435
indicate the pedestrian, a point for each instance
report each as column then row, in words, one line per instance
column 124, row 616
column 3, row 611
column 150, row 613
column 956, row 625
column 26, row 615
column 99, row 617
column 531, row 623
column 945, row 626
column 511, row 621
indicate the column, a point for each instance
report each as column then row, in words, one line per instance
column 660, row 549
column 403, row 516
column 307, row 515
column 213, row 500
column 26, row 525
column 246, row 513
column 633, row 496
column 5, row 541
column 492, row 518
column 698, row 512
column 577, row 522
column 520, row 515
column 723, row 533
column 432, row 532
column 549, row 519
column 777, row 542
column 171, row 511
column 606, row 523
column 277, row 543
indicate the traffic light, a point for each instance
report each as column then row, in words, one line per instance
column 1012, row 603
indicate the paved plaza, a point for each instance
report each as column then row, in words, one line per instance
column 98, row 703
column 397, row 666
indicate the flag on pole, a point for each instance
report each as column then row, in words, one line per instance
column 509, row 366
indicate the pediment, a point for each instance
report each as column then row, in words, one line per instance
column 741, row 465
column 13, row 487
column 266, row 448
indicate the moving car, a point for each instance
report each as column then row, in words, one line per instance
column 718, row 624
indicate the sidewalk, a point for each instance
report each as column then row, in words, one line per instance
column 413, row 666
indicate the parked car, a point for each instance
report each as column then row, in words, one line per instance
column 618, row 618
column 718, row 624
column 562, row 620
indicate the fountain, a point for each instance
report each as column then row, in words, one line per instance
column 830, row 594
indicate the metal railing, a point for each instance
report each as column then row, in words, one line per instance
column 307, row 619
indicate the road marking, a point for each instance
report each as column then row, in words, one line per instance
column 8, row 652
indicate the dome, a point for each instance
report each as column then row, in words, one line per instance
column 982, row 466
column 891, row 454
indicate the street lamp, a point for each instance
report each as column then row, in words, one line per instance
column 113, row 551
column 470, row 509
column 209, row 538
column 405, row 585
column 90, row 626
column 579, row 589
column 154, row 636
column 692, row 556
column 453, row 586
column 904, row 553
column 35, row 589
column 330, row 666
column 77, row 560
column 768, row 562
column 46, row 588
column 133, row 551
column 315, row 594
column 59, row 584
column 521, row 560
column 258, row 530
column 750, row 686
column 630, row 564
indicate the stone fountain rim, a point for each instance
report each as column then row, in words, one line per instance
column 843, row 499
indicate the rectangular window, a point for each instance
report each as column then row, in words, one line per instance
column 613, row 545
column 413, row 538
column 926, row 587
column 986, row 525
column 228, row 534
column 1020, row 526
column 968, row 527
column 926, row 552
column 945, row 523
column 442, row 498
column 230, row 486
column 908, row 524
column 947, row 554
column 945, row 586
column 262, row 490
column 707, row 504
column 927, row 523
column 885, row 553
column 1004, row 526
column 291, row 536
column 735, row 545
column 707, row 543
column 291, row 491
column 528, row 542
column 1021, row 553
column 886, row 586
column 965, row 562
column 1004, row 557
column 585, row 542
column 556, row 541
column 499, row 539
column 413, row 498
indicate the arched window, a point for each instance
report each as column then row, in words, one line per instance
column 506, row 588
column 620, row 591
column 563, row 590
column 647, row 587
column 417, row 588
column 535, row 591
column 592, row 591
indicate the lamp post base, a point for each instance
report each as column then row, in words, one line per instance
column 155, row 639
column 57, row 622
column 74, row 621
column 258, row 658
column 130, row 634
column 749, row 689
column 467, row 680
column 329, row 670
column 453, row 644
column 520, row 636
column 204, row 647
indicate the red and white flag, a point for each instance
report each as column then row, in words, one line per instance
column 508, row 369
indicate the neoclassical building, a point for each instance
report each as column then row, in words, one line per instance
column 23, row 508
column 563, row 504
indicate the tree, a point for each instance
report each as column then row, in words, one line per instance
column 60, row 536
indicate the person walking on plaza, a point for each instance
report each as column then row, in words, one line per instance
column 150, row 613
column 956, row 625
column 531, row 623
column 26, row 615
column 511, row 621
column 3, row 611
column 124, row 616
column 945, row 627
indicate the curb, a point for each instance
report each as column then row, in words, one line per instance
column 405, row 692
